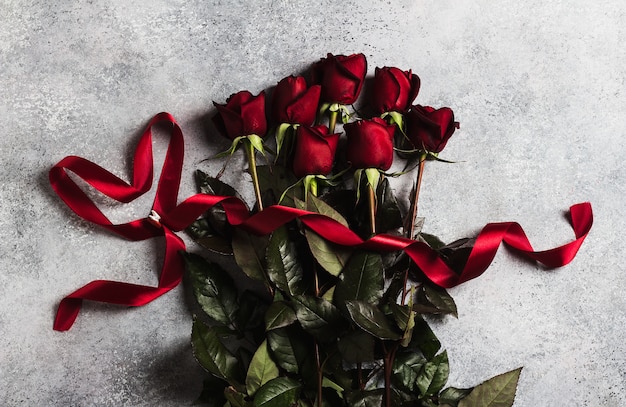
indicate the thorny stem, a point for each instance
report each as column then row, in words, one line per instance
column 255, row 178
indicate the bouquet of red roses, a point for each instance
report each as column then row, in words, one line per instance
column 332, row 325
column 335, row 277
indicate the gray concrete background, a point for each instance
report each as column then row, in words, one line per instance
column 537, row 86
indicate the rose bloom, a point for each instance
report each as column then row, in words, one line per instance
column 242, row 115
column 341, row 77
column 315, row 151
column 370, row 143
column 429, row 128
column 293, row 102
column 394, row 90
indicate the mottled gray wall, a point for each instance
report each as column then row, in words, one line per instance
column 537, row 86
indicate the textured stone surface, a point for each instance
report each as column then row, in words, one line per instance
column 537, row 86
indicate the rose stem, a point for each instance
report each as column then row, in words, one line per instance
column 371, row 194
column 413, row 211
column 320, row 376
column 255, row 177
column 332, row 121
column 388, row 363
column 413, row 215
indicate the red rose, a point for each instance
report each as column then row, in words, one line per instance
column 370, row 143
column 242, row 115
column 428, row 128
column 394, row 90
column 293, row 103
column 315, row 151
column 341, row 77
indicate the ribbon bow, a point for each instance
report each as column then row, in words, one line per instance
column 166, row 217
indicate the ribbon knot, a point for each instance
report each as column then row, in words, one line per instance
column 177, row 217
column 155, row 219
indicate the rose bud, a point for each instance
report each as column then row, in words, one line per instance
column 294, row 103
column 370, row 143
column 429, row 129
column 242, row 115
column 394, row 90
column 341, row 77
column 315, row 151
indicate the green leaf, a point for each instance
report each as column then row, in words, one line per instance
column 283, row 267
column 437, row 301
column 262, row 369
column 279, row 392
column 249, row 252
column 406, row 368
column 433, row 241
column 371, row 319
column 290, row 350
column 315, row 204
column 433, row 375
column 365, row 398
column 362, row 279
column 277, row 179
column 252, row 308
column 405, row 318
column 318, row 317
column 388, row 215
column 236, row 398
column 212, row 392
column 205, row 235
column 331, row 257
column 451, row 396
column 499, row 391
column 357, row 347
column 279, row 315
column 424, row 339
column 213, row 288
column 213, row 355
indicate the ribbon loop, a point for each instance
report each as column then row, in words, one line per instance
column 166, row 217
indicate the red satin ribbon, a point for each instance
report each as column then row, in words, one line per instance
column 167, row 217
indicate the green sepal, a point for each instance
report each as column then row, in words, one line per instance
column 282, row 131
column 395, row 118
column 256, row 142
column 233, row 147
column 373, row 177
